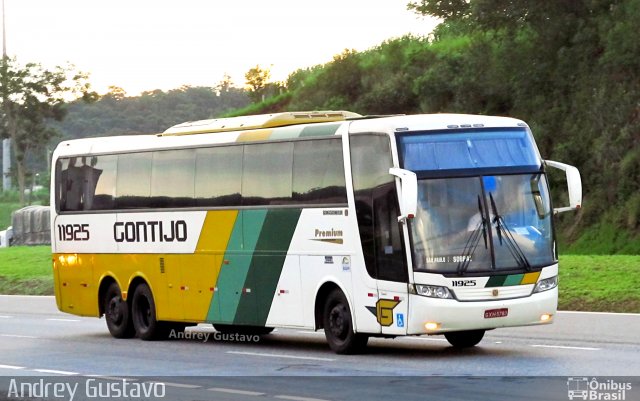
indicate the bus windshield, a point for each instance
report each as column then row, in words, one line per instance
column 483, row 224
column 483, row 201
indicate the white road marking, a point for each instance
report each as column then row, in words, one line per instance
column 566, row 347
column 598, row 313
column 63, row 320
column 11, row 367
column 112, row 378
column 320, row 333
column 234, row 391
column 177, row 385
column 294, row 398
column 16, row 336
column 56, row 372
column 5, row 317
column 311, row 358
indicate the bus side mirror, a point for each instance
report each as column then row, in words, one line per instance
column 408, row 196
column 574, row 184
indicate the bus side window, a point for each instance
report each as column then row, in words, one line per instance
column 318, row 172
column 177, row 168
column 218, row 177
column 61, row 187
column 390, row 260
column 133, row 180
column 101, row 182
column 267, row 174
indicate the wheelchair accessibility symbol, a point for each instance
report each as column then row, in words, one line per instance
column 400, row 319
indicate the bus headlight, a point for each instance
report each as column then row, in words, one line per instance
column 546, row 284
column 433, row 291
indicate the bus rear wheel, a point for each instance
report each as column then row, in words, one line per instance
column 117, row 313
column 464, row 339
column 143, row 310
column 338, row 326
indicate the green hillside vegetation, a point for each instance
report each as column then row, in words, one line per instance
column 571, row 69
column 151, row 112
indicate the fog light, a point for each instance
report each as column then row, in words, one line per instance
column 546, row 317
column 431, row 326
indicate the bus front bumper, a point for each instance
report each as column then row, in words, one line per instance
column 436, row 316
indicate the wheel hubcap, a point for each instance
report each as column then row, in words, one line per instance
column 338, row 324
column 114, row 310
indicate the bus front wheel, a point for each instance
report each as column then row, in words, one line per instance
column 117, row 313
column 143, row 310
column 338, row 326
column 464, row 339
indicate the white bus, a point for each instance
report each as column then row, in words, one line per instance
column 361, row 226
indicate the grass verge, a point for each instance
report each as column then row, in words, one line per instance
column 26, row 270
column 603, row 283
column 606, row 283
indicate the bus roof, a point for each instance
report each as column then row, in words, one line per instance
column 432, row 122
column 277, row 126
column 245, row 123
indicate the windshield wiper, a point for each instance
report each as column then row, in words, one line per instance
column 473, row 241
column 504, row 232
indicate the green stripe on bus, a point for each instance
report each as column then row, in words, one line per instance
column 319, row 130
column 513, row 279
column 286, row 133
column 266, row 266
column 237, row 261
column 496, row 281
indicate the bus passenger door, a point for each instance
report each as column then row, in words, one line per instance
column 391, row 269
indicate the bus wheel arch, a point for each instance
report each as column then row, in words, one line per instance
column 334, row 313
column 321, row 298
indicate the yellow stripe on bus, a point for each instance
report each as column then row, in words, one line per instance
column 216, row 231
column 530, row 278
column 258, row 135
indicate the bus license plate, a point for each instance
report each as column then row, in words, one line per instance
column 491, row 313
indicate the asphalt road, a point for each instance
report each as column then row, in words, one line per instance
column 39, row 343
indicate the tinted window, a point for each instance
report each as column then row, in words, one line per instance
column 267, row 177
column 219, row 176
column 480, row 148
column 172, row 178
column 104, row 169
column 318, row 172
column 134, row 180
column 86, row 183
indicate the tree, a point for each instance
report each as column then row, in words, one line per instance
column 257, row 79
column 225, row 84
column 30, row 96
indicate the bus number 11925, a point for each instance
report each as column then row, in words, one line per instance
column 73, row 232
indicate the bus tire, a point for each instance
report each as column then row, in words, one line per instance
column 117, row 313
column 143, row 311
column 338, row 326
column 464, row 339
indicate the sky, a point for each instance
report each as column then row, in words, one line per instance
column 144, row 45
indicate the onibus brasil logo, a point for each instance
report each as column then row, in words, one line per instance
column 597, row 389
